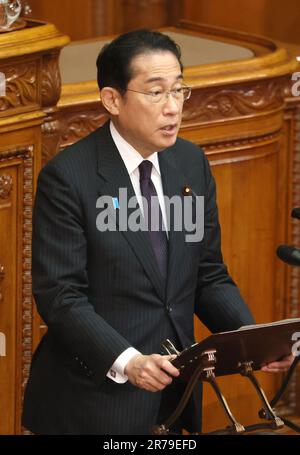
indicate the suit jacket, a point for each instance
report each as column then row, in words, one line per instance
column 101, row 292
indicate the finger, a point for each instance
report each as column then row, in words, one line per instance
column 274, row 369
column 167, row 366
column 153, row 370
column 170, row 369
column 169, row 357
column 270, row 370
column 163, row 365
column 161, row 376
column 161, row 380
column 152, row 384
column 152, row 375
column 281, row 364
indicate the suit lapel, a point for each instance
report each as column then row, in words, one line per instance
column 114, row 175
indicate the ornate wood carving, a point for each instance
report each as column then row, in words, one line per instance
column 69, row 127
column 206, row 105
column 6, row 185
column 21, row 86
column 51, row 136
column 51, row 88
column 51, row 80
column 239, row 144
column 27, row 308
column 25, row 321
column 241, row 150
column 75, row 125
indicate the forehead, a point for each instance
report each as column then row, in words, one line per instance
column 158, row 64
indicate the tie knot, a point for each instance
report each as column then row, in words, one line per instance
column 145, row 170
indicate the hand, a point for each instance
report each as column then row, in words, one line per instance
column 151, row 372
column 280, row 366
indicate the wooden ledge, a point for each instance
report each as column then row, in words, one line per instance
column 36, row 37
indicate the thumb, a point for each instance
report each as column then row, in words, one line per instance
column 170, row 357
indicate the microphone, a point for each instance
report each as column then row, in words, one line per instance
column 296, row 213
column 289, row 254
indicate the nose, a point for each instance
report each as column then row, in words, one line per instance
column 171, row 105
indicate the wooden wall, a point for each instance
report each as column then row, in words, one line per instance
column 277, row 19
column 89, row 18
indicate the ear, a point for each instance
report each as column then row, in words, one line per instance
column 110, row 98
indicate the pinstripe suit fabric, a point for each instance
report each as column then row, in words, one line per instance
column 100, row 292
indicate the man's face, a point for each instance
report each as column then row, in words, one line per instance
column 150, row 127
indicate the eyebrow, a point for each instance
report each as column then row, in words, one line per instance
column 159, row 79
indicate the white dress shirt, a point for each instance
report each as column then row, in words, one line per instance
column 132, row 159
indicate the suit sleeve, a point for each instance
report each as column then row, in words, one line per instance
column 219, row 304
column 60, row 279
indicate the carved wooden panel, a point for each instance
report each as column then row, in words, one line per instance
column 218, row 103
column 206, row 106
column 16, row 201
column 51, row 89
column 50, row 79
column 6, row 184
column 67, row 126
column 75, row 125
column 22, row 88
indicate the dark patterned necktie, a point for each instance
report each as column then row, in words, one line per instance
column 158, row 236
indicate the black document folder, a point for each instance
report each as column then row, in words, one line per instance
column 258, row 344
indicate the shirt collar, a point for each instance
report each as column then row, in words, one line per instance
column 131, row 157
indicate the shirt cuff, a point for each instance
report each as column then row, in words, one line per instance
column 116, row 372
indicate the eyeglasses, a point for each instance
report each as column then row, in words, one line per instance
column 181, row 94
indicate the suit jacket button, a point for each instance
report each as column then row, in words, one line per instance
column 169, row 309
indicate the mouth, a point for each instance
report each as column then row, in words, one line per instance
column 169, row 130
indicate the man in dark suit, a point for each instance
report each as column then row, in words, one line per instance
column 111, row 296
